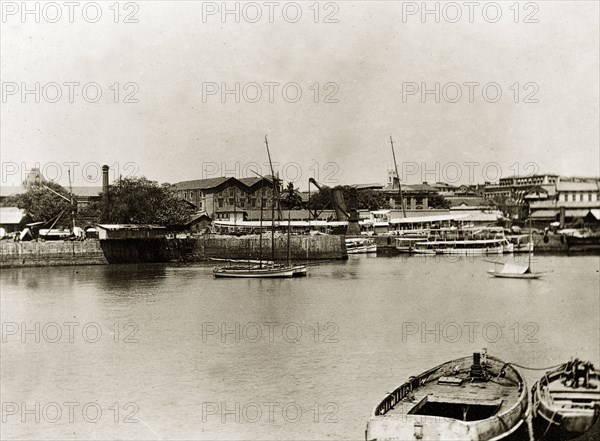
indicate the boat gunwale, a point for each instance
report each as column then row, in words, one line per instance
column 540, row 390
column 522, row 392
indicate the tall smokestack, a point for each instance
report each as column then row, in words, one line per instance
column 105, row 180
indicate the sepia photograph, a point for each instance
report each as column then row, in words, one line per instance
column 303, row 220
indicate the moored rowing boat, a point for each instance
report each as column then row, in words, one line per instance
column 253, row 272
column 482, row 398
column 566, row 400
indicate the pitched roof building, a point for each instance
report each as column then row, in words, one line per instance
column 219, row 197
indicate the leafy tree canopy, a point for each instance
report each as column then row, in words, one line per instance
column 437, row 201
column 365, row 199
column 42, row 205
column 139, row 200
column 290, row 198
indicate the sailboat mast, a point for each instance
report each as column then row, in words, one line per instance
column 260, row 229
column 72, row 205
column 530, row 243
column 289, row 253
column 273, row 202
column 398, row 176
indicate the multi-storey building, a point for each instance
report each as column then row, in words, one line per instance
column 516, row 187
column 222, row 198
column 569, row 200
column 414, row 196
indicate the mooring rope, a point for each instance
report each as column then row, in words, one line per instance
column 533, row 368
column 529, row 420
column 549, row 426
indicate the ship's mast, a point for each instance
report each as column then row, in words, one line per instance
column 273, row 200
column 398, row 176
column 260, row 229
column 72, row 207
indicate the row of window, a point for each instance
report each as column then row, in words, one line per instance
column 537, row 180
column 241, row 203
column 578, row 197
column 191, row 195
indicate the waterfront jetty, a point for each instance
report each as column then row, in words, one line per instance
column 160, row 249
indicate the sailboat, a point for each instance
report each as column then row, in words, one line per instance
column 513, row 271
column 262, row 270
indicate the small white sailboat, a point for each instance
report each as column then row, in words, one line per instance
column 513, row 271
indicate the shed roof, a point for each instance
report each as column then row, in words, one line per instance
column 201, row 184
column 11, row 215
column 130, row 227
column 577, row 186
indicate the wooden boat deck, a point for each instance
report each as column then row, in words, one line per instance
column 566, row 397
column 500, row 393
column 494, row 396
column 463, row 399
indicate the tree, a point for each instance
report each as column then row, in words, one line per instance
column 370, row 200
column 505, row 204
column 435, row 200
column 365, row 199
column 42, row 205
column 139, row 200
column 291, row 199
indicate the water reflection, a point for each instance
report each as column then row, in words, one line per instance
column 346, row 343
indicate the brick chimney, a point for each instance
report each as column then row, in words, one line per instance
column 105, row 180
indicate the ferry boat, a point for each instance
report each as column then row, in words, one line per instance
column 462, row 247
column 566, row 400
column 464, row 241
column 479, row 398
column 406, row 243
column 360, row 246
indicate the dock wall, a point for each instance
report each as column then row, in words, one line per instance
column 248, row 247
column 16, row 254
column 101, row 252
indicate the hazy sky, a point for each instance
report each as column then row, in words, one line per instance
column 374, row 62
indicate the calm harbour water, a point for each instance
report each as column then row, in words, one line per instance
column 185, row 356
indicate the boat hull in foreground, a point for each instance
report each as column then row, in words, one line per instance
column 564, row 407
column 462, row 399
